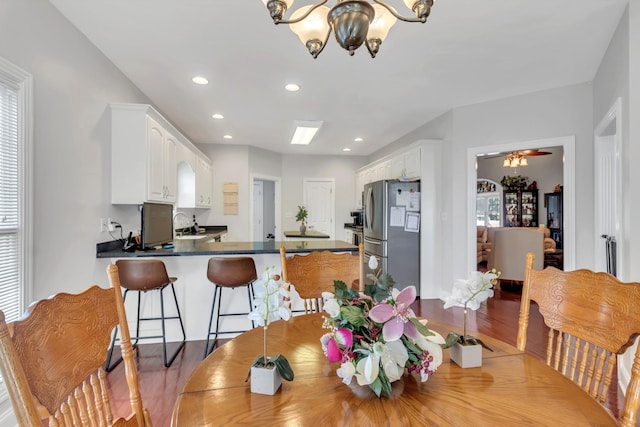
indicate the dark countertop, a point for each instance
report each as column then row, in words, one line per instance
column 201, row 247
column 309, row 234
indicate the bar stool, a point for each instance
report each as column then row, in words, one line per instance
column 228, row 273
column 144, row 275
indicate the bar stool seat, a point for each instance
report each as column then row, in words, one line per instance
column 228, row 272
column 144, row 275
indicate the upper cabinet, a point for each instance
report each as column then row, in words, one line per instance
column 161, row 181
column 403, row 164
column 145, row 152
column 203, row 183
column 406, row 164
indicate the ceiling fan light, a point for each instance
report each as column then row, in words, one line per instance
column 524, row 161
column 350, row 22
column 381, row 24
column 277, row 8
column 422, row 8
column 313, row 30
column 506, row 163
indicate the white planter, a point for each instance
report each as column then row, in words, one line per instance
column 265, row 381
column 466, row 356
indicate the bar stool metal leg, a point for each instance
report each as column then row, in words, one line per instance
column 144, row 276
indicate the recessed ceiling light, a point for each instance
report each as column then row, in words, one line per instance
column 358, row 139
column 218, row 116
column 346, row 149
column 199, row 80
column 304, row 132
column 292, row 87
column 227, row 137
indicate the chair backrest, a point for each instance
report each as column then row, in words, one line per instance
column 593, row 317
column 509, row 249
column 52, row 359
column 314, row 273
column 142, row 274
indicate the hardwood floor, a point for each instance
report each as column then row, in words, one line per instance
column 160, row 386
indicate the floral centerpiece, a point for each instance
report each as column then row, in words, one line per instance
column 469, row 294
column 269, row 305
column 376, row 336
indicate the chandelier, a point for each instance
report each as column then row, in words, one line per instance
column 353, row 22
column 515, row 159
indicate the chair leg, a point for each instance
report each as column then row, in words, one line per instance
column 208, row 350
column 250, row 294
column 108, row 367
column 164, row 334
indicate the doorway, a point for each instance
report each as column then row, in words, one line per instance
column 568, row 145
column 319, row 198
column 608, row 197
column 264, row 207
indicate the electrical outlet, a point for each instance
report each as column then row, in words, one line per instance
column 110, row 225
column 103, row 224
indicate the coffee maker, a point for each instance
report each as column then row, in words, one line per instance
column 358, row 218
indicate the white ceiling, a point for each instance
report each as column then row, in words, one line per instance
column 469, row 51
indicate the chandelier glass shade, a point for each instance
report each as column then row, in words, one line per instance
column 514, row 160
column 353, row 22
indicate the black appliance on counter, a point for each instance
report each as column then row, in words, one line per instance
column 358, row 217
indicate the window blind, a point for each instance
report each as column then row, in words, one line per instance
column 10, row 251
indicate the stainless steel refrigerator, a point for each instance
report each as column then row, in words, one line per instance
column 392, row 229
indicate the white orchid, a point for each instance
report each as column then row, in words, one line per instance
column 367, row 369
column 470, row 293
column 269, row 299
column 346, row 371
column 270, row 303
column 331, row 305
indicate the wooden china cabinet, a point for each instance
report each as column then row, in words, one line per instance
column 520, row 208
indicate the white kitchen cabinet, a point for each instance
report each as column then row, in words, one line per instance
column 144, row 155
column 203, row 183
column 348, row 235
column 161, row 181
column 406, row 164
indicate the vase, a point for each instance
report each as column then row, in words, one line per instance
column 303, row 228
column 265, row 380
column 466, row 356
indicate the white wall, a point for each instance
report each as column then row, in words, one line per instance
column 73, row 83
column 341, row 168
column 230, row 164
column 610, row 83
column 546, row 114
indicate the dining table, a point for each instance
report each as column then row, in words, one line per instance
column 511, row 388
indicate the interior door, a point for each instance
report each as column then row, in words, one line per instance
column 319, row 199
column 258, row 203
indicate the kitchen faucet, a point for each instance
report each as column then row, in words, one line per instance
column 177, row 214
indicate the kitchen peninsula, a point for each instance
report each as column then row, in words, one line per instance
column 187, row 261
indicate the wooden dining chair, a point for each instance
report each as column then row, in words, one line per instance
column 593, row 318
column 52, row 359
column 314, row 273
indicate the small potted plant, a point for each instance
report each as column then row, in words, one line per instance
column 465, row 350
column 269, row 305
column 301, row 217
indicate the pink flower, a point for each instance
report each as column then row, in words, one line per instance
column 342, row 338
column 334, row 354
column 396, row 316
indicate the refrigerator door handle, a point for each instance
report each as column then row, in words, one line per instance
column 368, row 214
column 373, row 242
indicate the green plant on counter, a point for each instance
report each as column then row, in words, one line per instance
column 302, row 214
